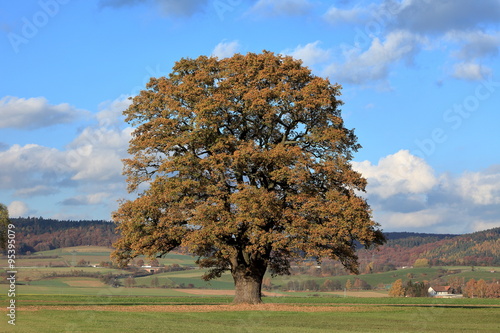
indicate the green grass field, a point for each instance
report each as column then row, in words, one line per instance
column 85, row 304
column 37, row 313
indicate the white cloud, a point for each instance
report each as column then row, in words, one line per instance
column 35, row 113
column 418, row 219
column 374, row 63
column 408, row 26
column 226, row 49
column 97, row 153
column 406, row 195
column 480, row 188
column 480, row 225
column 281, row 7
column 427, row 16
column 111, row 112
column 32, row 165
column 90, row 165
column 310, row 54
column 90, row 199
column 474, row 44
column 336, row 15
column 39, row 190
column 18, row 208
column 401, row 172
column 471, row 71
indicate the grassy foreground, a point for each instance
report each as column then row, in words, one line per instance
column 65, row 313
column 85, row 304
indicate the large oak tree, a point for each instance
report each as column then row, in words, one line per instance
column 245, row 161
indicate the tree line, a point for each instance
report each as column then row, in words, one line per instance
column 35, row 234
column 470, row 289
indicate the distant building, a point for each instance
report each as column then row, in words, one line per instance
column 151, row 269
column 443, row 291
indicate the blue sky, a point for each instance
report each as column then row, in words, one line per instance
column 421, row 86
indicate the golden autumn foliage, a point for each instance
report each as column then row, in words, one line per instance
column 397, row 289
column 246, row 162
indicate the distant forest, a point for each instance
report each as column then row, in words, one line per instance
column 34, row 234
column 408, row 249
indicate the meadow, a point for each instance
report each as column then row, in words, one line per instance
column 48, row 301
column 65, row 313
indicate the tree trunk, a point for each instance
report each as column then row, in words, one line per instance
column 248, row 284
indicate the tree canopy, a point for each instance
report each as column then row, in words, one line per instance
column 245, row 161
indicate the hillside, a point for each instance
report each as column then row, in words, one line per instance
column 402, row 249
column 35, row 234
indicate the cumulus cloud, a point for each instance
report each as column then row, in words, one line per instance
column 89, row 164
column 33, row 113
column 39, row 190
column 406, row 195
column 480, row 188
column 471, row 71
column 462, row 22
column 416, row 219
column 32, row 165
column 426, row 16
column 336, row 15
column 18, row 208
column 401, row 172
column 310, row 53
column 84, row 200
column 96, row 154
column 475, row 44
column 167, row 7
column 281, row 7
column 111, row 112
column 374, row 63
column 226, row 49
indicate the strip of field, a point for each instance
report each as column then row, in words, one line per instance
column 117, row 314
column 203, row 308
column 359, row 294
